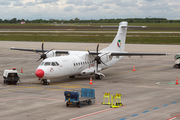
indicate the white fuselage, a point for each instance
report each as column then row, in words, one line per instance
column 74, row 64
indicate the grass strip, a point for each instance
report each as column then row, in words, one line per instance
column 138, row 39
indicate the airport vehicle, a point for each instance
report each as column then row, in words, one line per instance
column 87, row 97
column 78, row 63
column 177, row 60
column 11, row 76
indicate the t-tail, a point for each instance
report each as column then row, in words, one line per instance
column 118, row 44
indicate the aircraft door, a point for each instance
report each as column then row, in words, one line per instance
column 67, row 67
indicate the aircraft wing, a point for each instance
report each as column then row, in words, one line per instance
column 139, row 54
column 38, row 50
column 25, row 49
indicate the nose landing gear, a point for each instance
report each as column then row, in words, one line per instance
column 45, row 82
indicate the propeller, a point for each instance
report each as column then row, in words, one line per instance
column 97, row 58
column 43, row 55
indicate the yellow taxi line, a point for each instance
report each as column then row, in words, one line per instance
column 12, row 90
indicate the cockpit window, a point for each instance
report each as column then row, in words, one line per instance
column 53, row 64
column 42, row 63
column 57, row 63
column 47, row 64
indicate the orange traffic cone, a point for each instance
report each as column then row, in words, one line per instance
column 21, row 70
column 90, row 81
column 177, row 81
column 134, row 68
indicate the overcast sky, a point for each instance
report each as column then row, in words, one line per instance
column 89, row 9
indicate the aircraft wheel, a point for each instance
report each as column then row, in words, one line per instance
column 47, row 83
column 67, row 104
column 71, row 76
column 43, row 82
column 89, row 102
column 79, row 105
column 98, row 77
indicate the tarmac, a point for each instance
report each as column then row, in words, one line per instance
column 148, row 93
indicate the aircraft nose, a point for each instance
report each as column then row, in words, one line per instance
column 39, row 73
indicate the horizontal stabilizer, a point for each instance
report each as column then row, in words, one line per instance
column 127, row 26
column 134, row 26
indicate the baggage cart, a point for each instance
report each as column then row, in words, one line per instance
column 73, row 98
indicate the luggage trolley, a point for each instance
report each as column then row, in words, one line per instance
column 87, row 97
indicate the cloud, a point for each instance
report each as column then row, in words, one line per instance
column 5, row 2
column 69, row 8
column 30, row 4
column 88, row 2
column 75, row 2
column 106, row 7
column 89, row 9
column 53, row 2
column 80, row 2
column 121, row 3
column 18, row 3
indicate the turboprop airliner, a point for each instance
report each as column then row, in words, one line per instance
column 78, row 63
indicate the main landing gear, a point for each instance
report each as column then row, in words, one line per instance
column 45, row 82
column 98, row 77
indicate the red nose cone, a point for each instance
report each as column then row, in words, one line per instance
column 39, row 73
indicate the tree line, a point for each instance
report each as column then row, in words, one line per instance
column 77, row 20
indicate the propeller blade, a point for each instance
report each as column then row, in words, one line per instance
column 97, row 58
column 39, row 59
column 103, row 62
column 88, row 51
column 50, row 50
column 43, row 47
column 42, row 56
column 36, row 51
column 96, row 66
column 97, row 49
